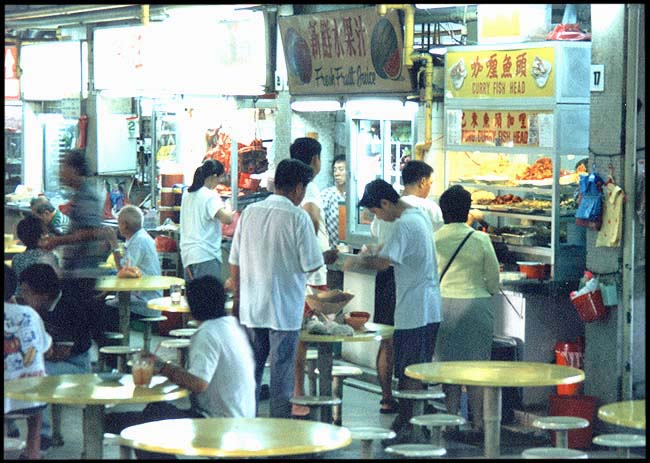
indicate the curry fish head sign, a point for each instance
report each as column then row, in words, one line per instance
column 345, row 52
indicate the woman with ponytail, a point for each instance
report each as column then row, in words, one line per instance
column 202, row 213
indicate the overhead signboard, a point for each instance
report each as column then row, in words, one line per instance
column 12, row 83
column 354, row 51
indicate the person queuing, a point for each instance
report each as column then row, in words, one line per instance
column 273, row 249
column 467, row 286
column 202, row 213
column 409, row 248
column 140, row 258
column 332, row 196
column 67, row 320
column 308, row 150
column 57, row 222
column 26, row 342
column 417, row 177
column 220, row 373
column 29, row 231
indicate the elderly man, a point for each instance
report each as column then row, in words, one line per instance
column 57, row 222
column 269, row 273
column 139, row 253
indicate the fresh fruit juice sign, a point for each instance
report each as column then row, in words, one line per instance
column 511, row 73
column 345, row 51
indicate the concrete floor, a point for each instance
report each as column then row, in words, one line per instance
column 361, row 409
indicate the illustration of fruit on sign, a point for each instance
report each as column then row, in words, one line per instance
column 386, row 55
column 299, row 58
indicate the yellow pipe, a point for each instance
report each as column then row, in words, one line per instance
column 145, row 15
column 420, row 148
column 409, row 18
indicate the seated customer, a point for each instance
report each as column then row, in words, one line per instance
column 66, row 319
column 26, row 342
column 29, row 231
column 221, row 367
column 140, row 258
column 57, row 222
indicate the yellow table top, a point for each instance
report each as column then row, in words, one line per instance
column 8, row 262
column 630, row 413
column 164, row 304
column 144, row 283
column 235, row 437
column 15, row 248
column 495, row 373
column 373, row 332
column 89, row 389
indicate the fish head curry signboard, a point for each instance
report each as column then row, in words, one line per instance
column 345, row 52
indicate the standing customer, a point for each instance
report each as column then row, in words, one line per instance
column 409, row 248
column 220, row 375
column 332, row 196
column 66, row 319
column 139, row 251
column 26, row 342
column 467, row 287
column 202, row 213
column 273, row 249
column 417, row 177
column 308, row 150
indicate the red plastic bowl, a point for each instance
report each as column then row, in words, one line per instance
column 533, row 270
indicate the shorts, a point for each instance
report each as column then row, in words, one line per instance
column 311, row 289
column 414, row 346
column 385, row 297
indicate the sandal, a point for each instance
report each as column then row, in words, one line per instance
column 390, row 406
column 299, row 411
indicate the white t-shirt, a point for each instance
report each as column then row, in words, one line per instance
column 274, row 246
column 26, row 342
column 429, row 207
column 221, row 354
column 312, row 195
column 410, row 247
column 200, row 229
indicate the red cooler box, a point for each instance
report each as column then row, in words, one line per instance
column 582, row 406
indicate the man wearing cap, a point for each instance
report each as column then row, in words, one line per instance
column 409, row 248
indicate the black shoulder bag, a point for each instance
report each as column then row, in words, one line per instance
column 454, row 256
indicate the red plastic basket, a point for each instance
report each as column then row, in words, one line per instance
column 590, row 306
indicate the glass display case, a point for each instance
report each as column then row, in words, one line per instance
column 13, row 147
column 517, row 137
column 380, row 144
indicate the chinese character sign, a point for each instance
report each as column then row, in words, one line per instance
column 515, row 73
column 345, row 51
column 12, row 82
column 499, row 128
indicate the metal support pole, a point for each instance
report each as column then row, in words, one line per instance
column 93, row 434
column 123, row 298
column 492, row 420
column 324, row 363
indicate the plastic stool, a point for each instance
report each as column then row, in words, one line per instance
column 192, row 324
column 181, row 345
column 553, row 453
column 120, row 352
column 561, row 425
column 436, row 421
column 146, row 335
column 315, row 402
column 622, row 442
column 13, row 448
column 339, row 373
column 183, row 332
column 367, row 434
column 108, row 338
column 416, row 450
column 420, row 396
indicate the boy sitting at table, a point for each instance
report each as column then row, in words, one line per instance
column 26, row 342
column 221, row 367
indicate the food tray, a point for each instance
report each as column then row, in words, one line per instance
column 491, row 178
column 498, row 208
column 527, row 239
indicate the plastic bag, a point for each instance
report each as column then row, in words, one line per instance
column 590, row 202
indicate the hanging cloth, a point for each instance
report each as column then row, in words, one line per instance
column 611, row 230
column 590, row 201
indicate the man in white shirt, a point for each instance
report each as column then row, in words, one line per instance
column 221, row 372
column 273, row 249
column 409, row 247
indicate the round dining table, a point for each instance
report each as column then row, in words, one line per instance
column 123, row 288
column 164, row 304
column 324, row 344
column 235, row 437
column 493, row 375
column 93, row 393
column 630, row 413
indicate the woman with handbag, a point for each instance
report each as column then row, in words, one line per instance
column 468, row 279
